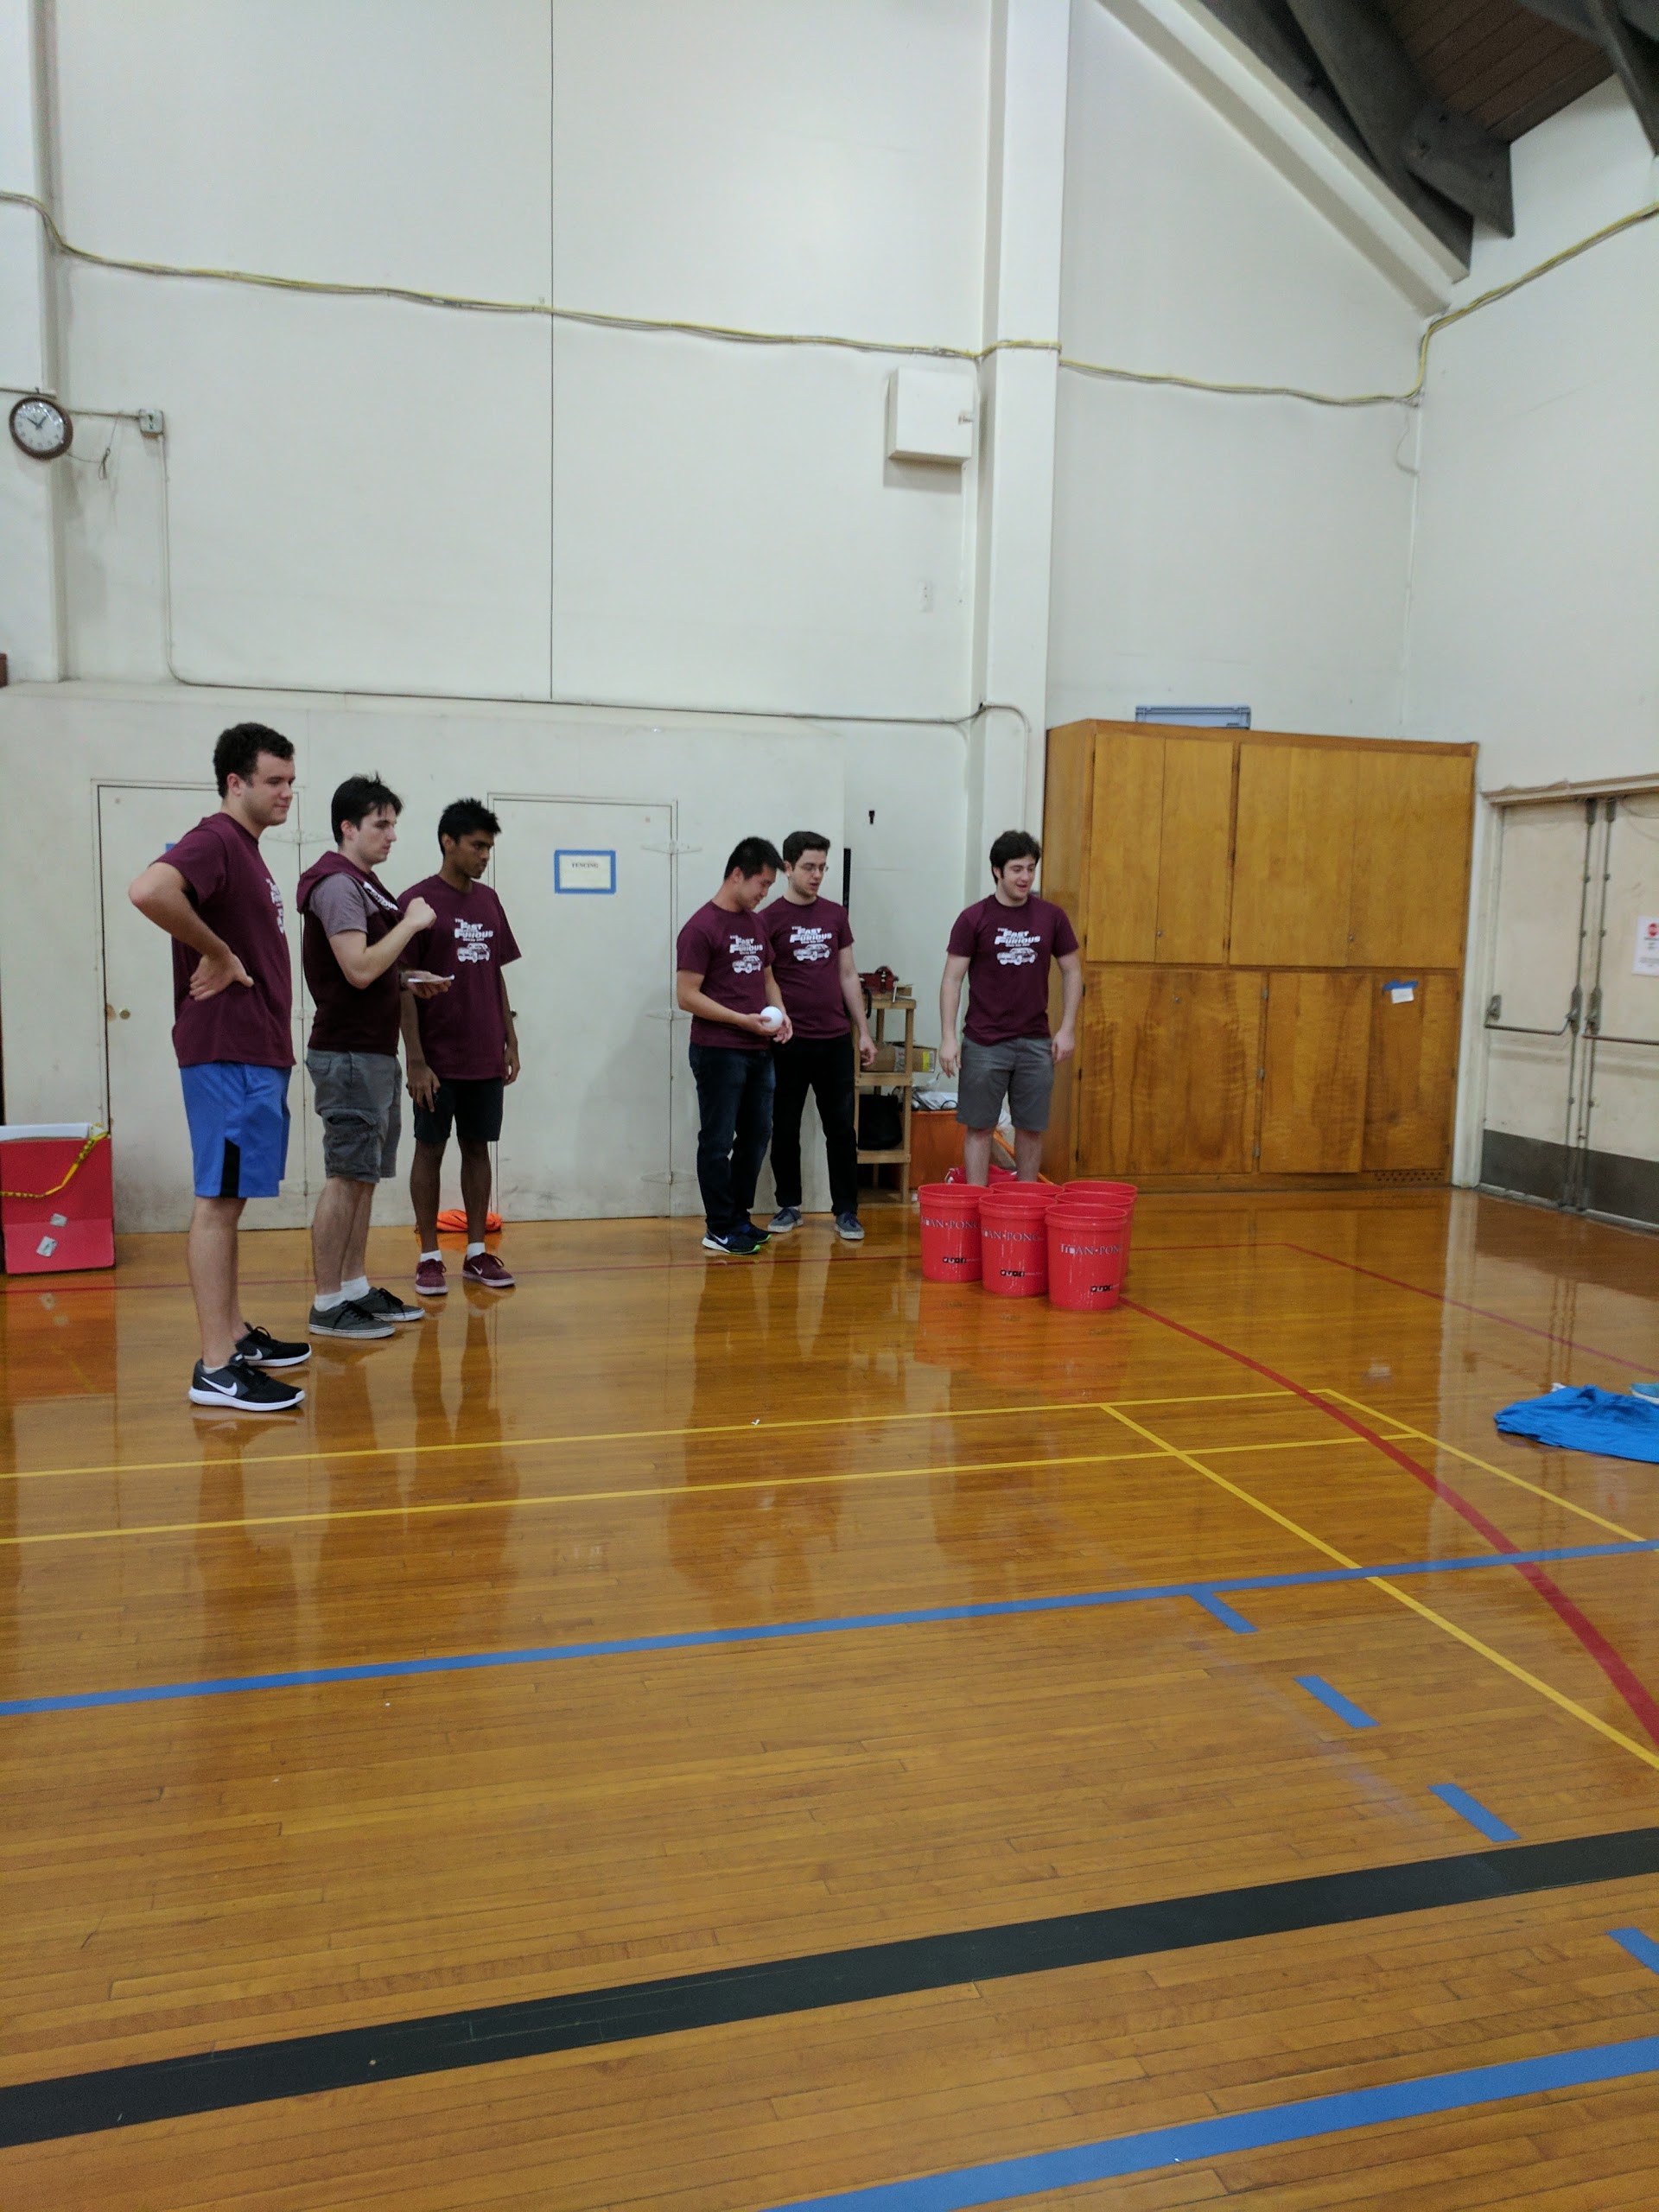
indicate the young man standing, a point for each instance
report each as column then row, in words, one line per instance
column 818, row 977
column 724, row 981
column 460, row 1047
column 1003, row 946
column 232, row 997
column 354, row 943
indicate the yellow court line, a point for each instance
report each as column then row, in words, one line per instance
column 658, row 1489
column 1422, row 1436
column 620, row 1436
column 1648, row 1757
column 574, row 1498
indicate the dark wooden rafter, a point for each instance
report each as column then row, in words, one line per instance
column 1430, row 94
column 1442, row 165
column 1641, row 15
column 1634, row 57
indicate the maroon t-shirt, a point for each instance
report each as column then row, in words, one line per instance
column 806, row 942
column 1007, row 949
column 732, row 953
column 337, row 897
column 232, row 890
column 463, row 1031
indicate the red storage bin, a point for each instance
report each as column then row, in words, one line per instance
column 950, row 1225
column 57, row 1206
column 1087, row 1253
column 1014, row 1241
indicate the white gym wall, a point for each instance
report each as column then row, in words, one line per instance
column 363, row 495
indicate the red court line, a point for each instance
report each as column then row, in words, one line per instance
column 1444, row 1298
column 1612, row 1663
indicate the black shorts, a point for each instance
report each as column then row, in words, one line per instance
column 473, row 1107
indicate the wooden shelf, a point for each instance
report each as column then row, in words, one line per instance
column 889, row 1080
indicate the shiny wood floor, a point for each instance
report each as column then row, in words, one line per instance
column 640, row 1442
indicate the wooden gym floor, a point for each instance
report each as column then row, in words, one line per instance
column 643, row 1904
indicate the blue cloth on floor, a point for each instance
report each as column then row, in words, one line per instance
column 1587, row 1421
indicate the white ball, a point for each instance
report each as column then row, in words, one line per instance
column 772, row 1017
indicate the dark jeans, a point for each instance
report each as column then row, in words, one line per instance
column 825, row 1066
column 734, row 1118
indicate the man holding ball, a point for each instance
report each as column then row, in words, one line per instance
column 724, row 981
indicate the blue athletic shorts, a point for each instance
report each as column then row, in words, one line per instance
column 238, row 1127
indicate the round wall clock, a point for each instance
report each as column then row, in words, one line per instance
column 40, row 428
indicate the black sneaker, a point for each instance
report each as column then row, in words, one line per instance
column 260, row 1349
column 350, row 1319
column 386, row 1306
column 755, row 1235
column 735, row 1246
column 241, row 1389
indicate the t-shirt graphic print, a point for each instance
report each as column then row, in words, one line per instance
column 463, row 1030
column 1007, row 949
column 732, row 953
column 807, row 940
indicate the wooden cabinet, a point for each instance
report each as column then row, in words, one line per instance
column 1243, row 898
column 1313, row 1071
column 1144, row 1031
column 1410, row 889
column 1412, row 1078
column 1294, row 869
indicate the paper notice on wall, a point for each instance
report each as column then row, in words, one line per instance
column 1647, row 946
column 1401, row 994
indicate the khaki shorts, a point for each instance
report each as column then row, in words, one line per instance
column 356, row 1096
column 1021, row 1071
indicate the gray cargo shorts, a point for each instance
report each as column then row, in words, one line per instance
column 1021, row 1070
column 356, row 1094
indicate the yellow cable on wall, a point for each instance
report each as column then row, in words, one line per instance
column 734, row 334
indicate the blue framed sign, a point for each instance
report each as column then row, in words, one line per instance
column 587, row 873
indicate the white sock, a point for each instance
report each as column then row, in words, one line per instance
column 472, row 1251
column 327, row 1299
column 357, row 1287
column 433, row 1256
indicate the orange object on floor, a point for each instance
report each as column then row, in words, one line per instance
column 452, row 1222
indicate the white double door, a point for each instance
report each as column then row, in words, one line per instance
column 1572, row 1098
column 588, row 887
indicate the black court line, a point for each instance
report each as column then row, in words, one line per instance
column 218, row 2081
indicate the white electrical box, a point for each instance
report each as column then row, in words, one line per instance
column 930, row 414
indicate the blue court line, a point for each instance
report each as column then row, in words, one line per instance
column 1470, row 1809
column 778, row 1631
column 1197, row 2140
column 1641, row 1949
column 1344, row 1708
column 1224, row 1613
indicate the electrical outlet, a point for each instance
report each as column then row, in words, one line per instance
column 151, row 421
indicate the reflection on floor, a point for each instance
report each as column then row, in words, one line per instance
column 1078, row 1624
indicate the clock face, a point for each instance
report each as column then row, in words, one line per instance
column 41, row 428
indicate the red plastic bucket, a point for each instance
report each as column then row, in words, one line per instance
column 949, row 1220
column 1087, row 1255
column 1013, row 1240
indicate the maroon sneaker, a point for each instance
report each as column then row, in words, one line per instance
column 484, row 1268
column 430, row 1281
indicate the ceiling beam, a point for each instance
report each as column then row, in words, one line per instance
column 1575, row 16
column 1445, row 168
column 1454, row 153
column 1635, row 56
